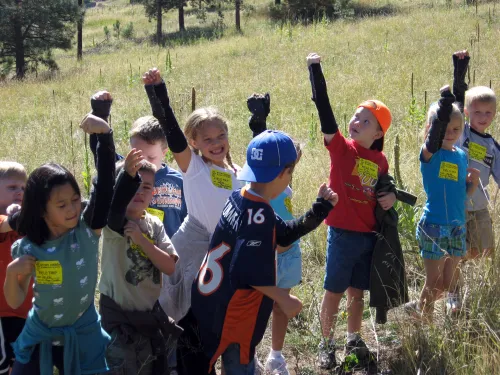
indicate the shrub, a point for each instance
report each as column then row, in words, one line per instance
column 128, row 31
column 309, row 10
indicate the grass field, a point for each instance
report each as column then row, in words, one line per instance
column 383, row 57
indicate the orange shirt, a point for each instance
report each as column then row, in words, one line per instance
column 6, row 241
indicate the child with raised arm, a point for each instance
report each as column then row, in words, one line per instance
column 135, row 253
column 234, row 292
column 356, row 165
column 60, row 250
column 202, row 154
column 447, row 182
column 483, row 151
column 12, row 184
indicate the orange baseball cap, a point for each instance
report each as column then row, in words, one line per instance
column 380, row 111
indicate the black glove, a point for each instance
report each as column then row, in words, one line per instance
column 445, row 106
column 260, row 106
column 459, row 72
column 101, row 108
column 437, row 129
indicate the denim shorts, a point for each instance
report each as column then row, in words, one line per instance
column 290, row 268
column 231, row 362
column 437, row 241
column 348, row 260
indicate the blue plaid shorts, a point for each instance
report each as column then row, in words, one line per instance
column 437, row 241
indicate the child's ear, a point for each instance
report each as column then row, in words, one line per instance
column 164, row 152
column 379, row 134
column 192, row 143
column 466, row 112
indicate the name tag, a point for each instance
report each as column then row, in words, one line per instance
column 288, row 204
column 367, row 168
column 476, row 151
column 49, row 272
column 448, row 171
column 221, row 180
column 158, row 213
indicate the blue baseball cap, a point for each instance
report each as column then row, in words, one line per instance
column 267, row 155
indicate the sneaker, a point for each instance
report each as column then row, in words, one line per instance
column 453, row 304
column 411, row 308
column 357, row 347
column 276, row 366
column 326, row 356
column 259, row 369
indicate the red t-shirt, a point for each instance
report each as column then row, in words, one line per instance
column 6, row 241
column 354, row 172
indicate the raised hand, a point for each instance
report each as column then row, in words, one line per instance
column 92, row 124
column 152, row 77
column 445, row 104
column 328, row 194
column 313, row 58
column 133, row 162
column 101, row 103
column 460, row 55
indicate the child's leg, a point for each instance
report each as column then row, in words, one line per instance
column 329, row 312
column 10, row 329
column 280, row 324
column 121, row 356
column 433, row 285
column 231, row 362
column 450, row 273
column 355, row 305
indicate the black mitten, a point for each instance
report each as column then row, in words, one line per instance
column 260, row 106
column 437, row 129
column 459, row 72
column 101, row 108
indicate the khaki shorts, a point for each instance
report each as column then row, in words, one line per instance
column 480, row 234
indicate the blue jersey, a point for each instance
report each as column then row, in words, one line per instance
column 242, row 254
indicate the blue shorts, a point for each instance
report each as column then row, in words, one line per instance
column 348, row 260
column 231, row 362
column 437, row 241
column 290, row 268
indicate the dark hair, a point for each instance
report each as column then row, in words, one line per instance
column 36, row 195
column 378, row 144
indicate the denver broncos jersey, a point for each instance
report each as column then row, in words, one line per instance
column 242, row 253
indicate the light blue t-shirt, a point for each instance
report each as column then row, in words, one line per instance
column 444, row 180
column 66, row 274
column 282, row 206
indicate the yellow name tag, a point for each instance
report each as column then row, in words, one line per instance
column 221, row 180
column 49, row 272
column 158, row 213
column 288, row 204
column 367, row 168
column 137, row 248
column 476, row 151
column 448, row 171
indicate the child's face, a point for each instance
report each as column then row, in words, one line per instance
column 481, row 115
column 144, row 195
column 453, row 132
column 11, row 191
column 282, row 181
column 152, row 152
column 211, row 139
column 63, row 208
column 364, row 127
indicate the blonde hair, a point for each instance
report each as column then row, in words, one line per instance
column 200, row 117
column 149, row 130
column 10, row 169
column 481, row 94
column 432, row 115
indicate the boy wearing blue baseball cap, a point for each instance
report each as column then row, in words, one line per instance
column 235, row 289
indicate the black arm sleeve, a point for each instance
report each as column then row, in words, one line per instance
column 101, row 109
column 459, row 85
column 437, row 130
column 125, row 189
column 257, row 125
column 175, row 137
column 292, row 230
column 96, row 213
column 320, row 98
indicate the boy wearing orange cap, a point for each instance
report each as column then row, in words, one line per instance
column 356, row 164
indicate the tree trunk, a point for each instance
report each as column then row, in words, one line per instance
column 18, row 33
column 181, row 16
column 79, row 27
column 237, row 5
column 159, row 34
column 277, row 2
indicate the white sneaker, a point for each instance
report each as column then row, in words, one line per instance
column 259, row 369
column 276, row 366
column 453, row 304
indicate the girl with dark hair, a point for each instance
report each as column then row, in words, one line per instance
column 60, row 249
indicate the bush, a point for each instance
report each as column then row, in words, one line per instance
column 309, row 10
column 128, row 31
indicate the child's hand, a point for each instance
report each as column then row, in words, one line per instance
column 133, row 162
column 259, row 105
column 152, row 77
column 328, row 194
column 102, row 95
column 473, row 175
column 461, row 54
column 132, row 231
column 13, row 208
column 386, row 200
column 291, row 306
column 101, row 103
column 22, row 266
column 92, row 124
column 313, row 58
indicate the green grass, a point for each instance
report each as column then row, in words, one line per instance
column 367, row 57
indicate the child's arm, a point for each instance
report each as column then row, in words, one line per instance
column 161, row 259
column 472, row 180
column 460, row 64
column 17, row 280
column 160, row 104
column 320, row 97
column 287, row 232
column 437, row 129
column 96, row 212
column 259, row 105
column 101, row 103
column 127, row 183
column 290, row 305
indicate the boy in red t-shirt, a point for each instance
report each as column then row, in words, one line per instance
column 356, row 165
column 12, row 183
